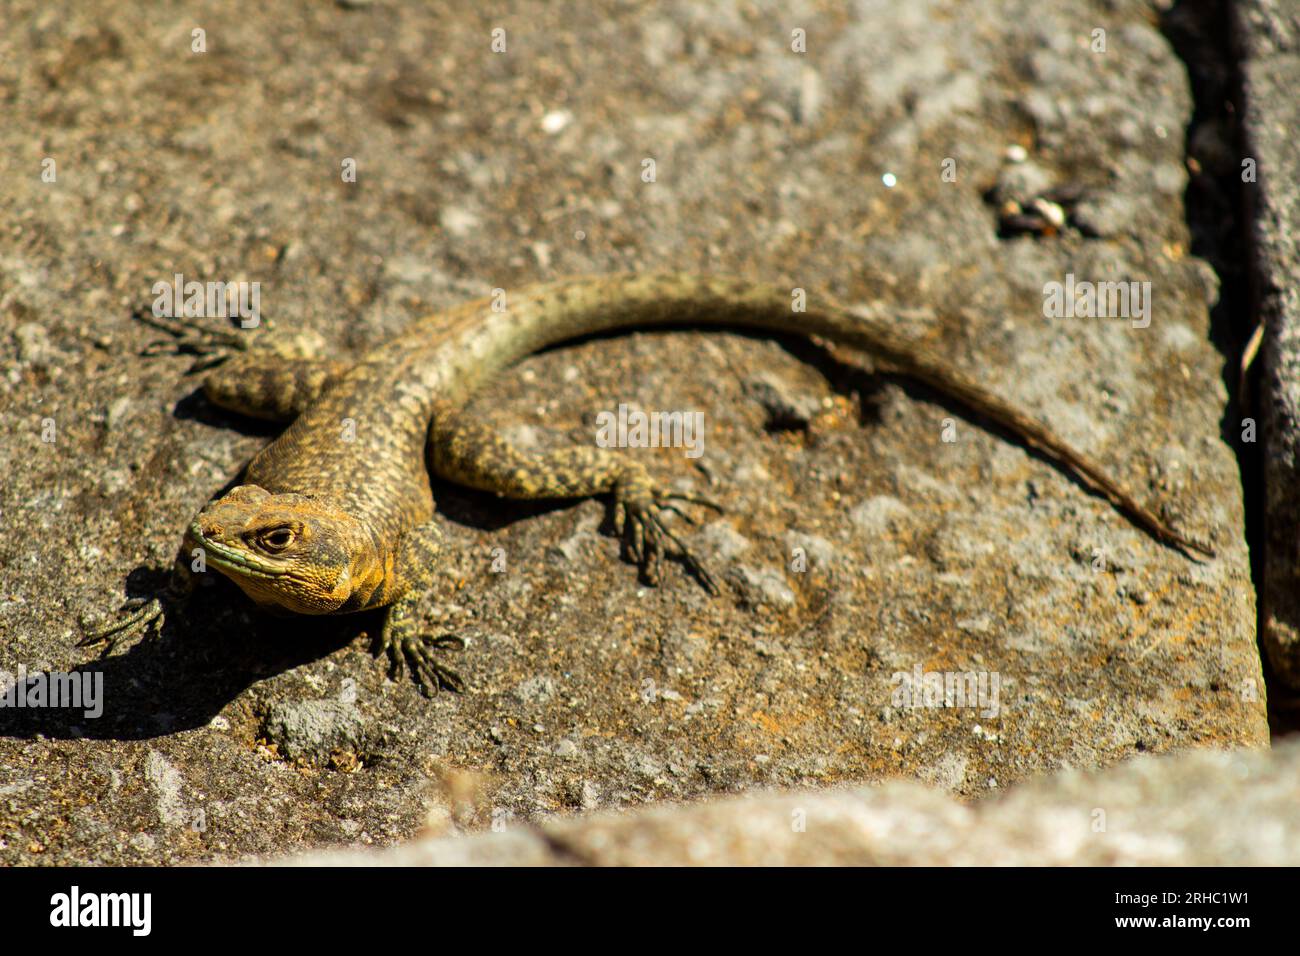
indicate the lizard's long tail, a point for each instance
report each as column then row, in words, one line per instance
column 544, row 315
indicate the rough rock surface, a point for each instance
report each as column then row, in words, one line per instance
column 479, row 170
column 1268, row 34
column 1204, row 808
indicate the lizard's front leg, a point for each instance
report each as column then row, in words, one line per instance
column 471, row 454
column 275, row 384
column 143, row 613
column 260, row 373
column 402, row 637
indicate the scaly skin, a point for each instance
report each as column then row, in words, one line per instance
column 336, row 515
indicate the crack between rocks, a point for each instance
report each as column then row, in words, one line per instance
column 1203, row 36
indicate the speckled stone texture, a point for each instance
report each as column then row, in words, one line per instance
column 857, row 549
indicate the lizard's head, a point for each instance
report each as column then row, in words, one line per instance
column 298, row 552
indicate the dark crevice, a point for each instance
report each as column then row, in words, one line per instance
column 1218, row 217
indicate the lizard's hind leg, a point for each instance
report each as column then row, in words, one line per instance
column 261, row 373
column 267, row 385
column 471, row 454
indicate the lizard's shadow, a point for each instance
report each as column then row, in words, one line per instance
column 196, row 407
column 181, row 676
column 484, row 511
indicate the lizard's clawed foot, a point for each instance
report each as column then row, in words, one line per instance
column 140, row 614
column 211, row 346
column 639, row 507
column 415, row 652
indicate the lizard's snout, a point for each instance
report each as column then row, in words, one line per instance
column 215, row 525
column 230, row 513
column 210, row 526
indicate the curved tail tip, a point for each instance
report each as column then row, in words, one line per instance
column 1193, row 549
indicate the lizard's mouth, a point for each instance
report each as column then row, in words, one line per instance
column 235, row 560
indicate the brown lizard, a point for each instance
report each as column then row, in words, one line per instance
column 325, row 525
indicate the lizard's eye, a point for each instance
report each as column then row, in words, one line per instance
column 277, row 539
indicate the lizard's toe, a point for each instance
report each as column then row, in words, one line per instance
column 429, row 673
column 644, row 534
column 416, row 653
column 137, row 614
column 210, row 346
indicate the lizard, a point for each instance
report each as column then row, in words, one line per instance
column 323, row 525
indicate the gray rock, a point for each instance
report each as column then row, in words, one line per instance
column 820, row 553
column 575, row 547
column 722, row 541
column 786, row 408
column 1201, row 808
column 311, row 730
column 535, row 690
column 879, row 515
column 1022, row 182
column 761, row 586
column 1105, row 215
column 34, row 346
